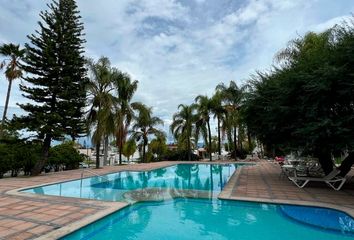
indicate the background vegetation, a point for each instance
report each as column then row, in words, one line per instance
column 303, row 104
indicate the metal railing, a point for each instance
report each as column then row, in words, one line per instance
column 97, row 175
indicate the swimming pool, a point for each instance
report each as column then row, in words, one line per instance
column 180, row 202
column 179, row 180
column 213, row 219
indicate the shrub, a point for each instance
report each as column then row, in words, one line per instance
column 17, row 155
column 240, row 153
column 129, row 149
column 28, row 156
column 6, row 159
column 178, row 155
column 64, row 157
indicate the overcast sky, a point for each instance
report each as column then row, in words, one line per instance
column 178, row 49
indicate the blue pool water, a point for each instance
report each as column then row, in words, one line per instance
column 205, row 219
column 203, row 177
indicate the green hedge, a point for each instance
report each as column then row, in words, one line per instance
column 17, row 155
column 64, row 157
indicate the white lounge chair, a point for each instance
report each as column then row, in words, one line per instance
column 331, row 180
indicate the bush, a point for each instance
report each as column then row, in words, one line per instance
column 6, row 154
column 129, row 148
column 17, row 155
column 149, row 156
column 240, row 153
column 64, row 157
column 158, row 148
column 179, row 155
column 28, row 156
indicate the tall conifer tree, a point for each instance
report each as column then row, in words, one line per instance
column 56, row 77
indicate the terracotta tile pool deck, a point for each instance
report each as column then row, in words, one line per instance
column 29, row 216
column 264, row 183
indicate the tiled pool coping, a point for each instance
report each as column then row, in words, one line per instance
column 258, row 183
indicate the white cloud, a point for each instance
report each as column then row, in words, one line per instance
column 330, row 23
column 179, row 49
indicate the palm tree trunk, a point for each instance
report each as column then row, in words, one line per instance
column 37, row 169
column 6, row 102
column 249, row 141
column 209, row 136
column 144, row 144
column 229, row 138
column 98, row 146
column 235, row 143
column 189, row 147
column 219, row 138
column 240, row 142
column 120, row 155
column 120, row 143
column 105, row 156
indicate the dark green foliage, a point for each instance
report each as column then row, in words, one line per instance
column 17, row 155
column 307, row 103
column 25, row 157
column 20, row 156
column 158, row 147
column 129, row 148
column 6, row 159
column 240, row 153
column 179, row 155
column 56, row 77
column 64, row 156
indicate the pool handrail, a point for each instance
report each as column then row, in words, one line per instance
column 83, row 170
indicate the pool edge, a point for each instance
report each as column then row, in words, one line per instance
column 346, row 210
column 107, row 207
column 226, row 194
column 111, row 207
column 62, row 232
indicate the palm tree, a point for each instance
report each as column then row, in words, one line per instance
column 204, row 108
column 144, row 125
column 100, row 117
column 13, row 55
column 125, row 88
column 232, row 98
column 219, row 113
column 182, row 125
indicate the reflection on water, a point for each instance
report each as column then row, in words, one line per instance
column 177, row 180
column 204, row 219
column 183, row 176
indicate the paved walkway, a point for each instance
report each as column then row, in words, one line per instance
column 28, row 216
column 264, row 183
